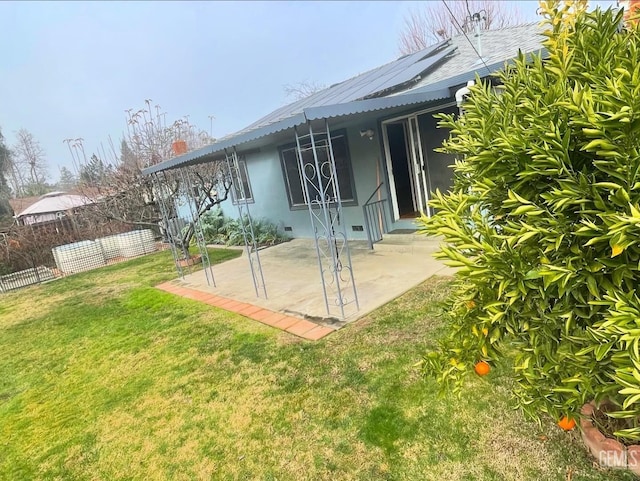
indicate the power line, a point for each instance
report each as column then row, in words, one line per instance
column 465, row 36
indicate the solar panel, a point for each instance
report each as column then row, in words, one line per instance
column 401, row 76
column 365, row 85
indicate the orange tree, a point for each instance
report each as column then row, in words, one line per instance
column 543, row 222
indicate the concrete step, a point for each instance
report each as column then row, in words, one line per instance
column 401, row 239
column 408, row 243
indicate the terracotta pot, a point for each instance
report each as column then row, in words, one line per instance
column 179, row 147
column 607, row 451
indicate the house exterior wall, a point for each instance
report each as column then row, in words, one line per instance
column 368, row 169
column 268, row 188
column 39, row 218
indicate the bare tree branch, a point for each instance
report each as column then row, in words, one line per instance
column 302, row 90
column 28, row 162
column 434, row 22
column 121, row 193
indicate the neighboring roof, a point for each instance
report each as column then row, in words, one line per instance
column 424, row 76
column 55, row 202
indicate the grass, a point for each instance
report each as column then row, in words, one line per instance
column 106, row 378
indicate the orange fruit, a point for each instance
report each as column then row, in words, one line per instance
column 470, row 304
column 566, row 423
column 482, row 368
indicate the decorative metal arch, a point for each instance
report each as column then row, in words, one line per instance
column 246, row 223
column 173, row 191
column 189, row 187
column 176, row 192
column 320, row 186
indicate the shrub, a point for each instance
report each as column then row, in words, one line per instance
column 219, row 229
column 543, row 222
column 211, row 223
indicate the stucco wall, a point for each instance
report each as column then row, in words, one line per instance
column 268, row 185
column 368, row 169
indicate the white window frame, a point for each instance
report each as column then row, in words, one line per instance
column 242, row 170
column 320, row 143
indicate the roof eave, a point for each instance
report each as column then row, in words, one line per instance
column 437, row 91
column 200, row 155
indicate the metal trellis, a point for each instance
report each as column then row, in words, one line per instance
column 168, row 209
column 246, row 223
column 191, row 195
column 320, row 186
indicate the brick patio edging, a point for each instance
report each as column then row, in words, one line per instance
column 298, row 327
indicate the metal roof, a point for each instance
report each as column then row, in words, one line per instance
column 370, row 105
column 312, row 113
column 422, row 77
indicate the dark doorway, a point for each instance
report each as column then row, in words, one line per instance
column 396, row 135
column 438, row 163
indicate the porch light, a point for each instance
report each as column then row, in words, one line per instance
column 369, row 133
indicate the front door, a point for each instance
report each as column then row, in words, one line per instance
column 406, row 166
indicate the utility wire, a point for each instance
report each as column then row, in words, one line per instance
column 466, row 36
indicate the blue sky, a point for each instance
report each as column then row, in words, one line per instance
column 70, row 69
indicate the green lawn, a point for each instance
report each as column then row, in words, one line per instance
column 103, row 377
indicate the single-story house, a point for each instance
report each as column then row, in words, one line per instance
column 50, row 207
column 382, row 135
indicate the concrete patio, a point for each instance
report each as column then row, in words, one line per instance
column 294, row 289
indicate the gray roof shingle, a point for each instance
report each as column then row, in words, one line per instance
column 496, row 46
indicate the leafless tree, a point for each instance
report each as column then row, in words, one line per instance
column 123, row 194
column 204, row 186
column 439, row 20
column 29, row 161
column 302, row 90
column 14, row 177
column 151, row 139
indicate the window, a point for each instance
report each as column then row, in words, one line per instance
column 291, row 169
column 241, row 184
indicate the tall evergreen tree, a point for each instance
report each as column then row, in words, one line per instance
column 67, row 179
column 94, row 172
